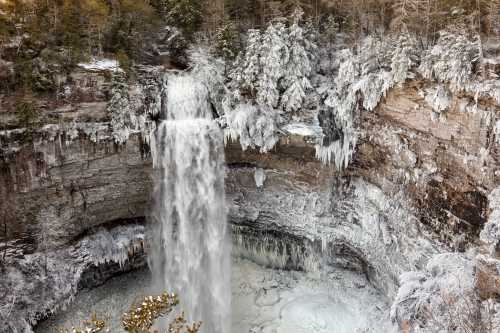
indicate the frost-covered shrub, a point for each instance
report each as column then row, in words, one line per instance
column 404, row 57
column 120, row 110
column 426, row 296
column 450, row 60
column 254, row 126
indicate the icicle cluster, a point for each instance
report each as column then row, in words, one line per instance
column 275, row 252
column 115, row 246
column 363, row 79
column 46, row 282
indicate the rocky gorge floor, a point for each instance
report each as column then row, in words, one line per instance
column 264, row 300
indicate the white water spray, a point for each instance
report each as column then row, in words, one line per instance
column 191, row 252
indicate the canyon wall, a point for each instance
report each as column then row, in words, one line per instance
column 417, row 186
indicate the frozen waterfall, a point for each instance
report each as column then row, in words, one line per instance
column 191, row 248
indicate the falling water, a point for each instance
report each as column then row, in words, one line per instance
column 191, row 252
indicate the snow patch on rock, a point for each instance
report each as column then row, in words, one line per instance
column 101, row 65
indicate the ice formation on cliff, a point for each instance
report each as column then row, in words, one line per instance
column 423, row 295
column 491, row 231
column 439, row 98
column 260, row 177
column 362, row 80
column 253, row 126
column 45, row 282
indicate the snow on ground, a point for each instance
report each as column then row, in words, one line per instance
column 101, row 65
column 264, row 301
column 303, row 129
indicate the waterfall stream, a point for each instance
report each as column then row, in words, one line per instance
column 191, row 248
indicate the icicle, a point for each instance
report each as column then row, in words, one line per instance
column 260, row 177
column 275, row 251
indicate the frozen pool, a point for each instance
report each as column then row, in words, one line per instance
column 264, row 300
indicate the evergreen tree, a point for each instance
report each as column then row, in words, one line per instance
column 298, row 68
column 404, row 58
column 274, row 56
column 247, row 67
column 185, row 14
column 96, row 13
column 226, row 41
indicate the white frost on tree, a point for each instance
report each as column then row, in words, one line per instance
column 298, row 68
column 270, row 77
column 253, row 126
column 247, row 68
column 450, row 61
column 209, row 71
column 128, row 111
column 342, row 102
column 426, row 298
column 275, row 67
column 404, row 57
column 274, row 56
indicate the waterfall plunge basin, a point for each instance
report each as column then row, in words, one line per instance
column 264, row 300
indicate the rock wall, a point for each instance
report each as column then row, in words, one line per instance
column 447, row 166
column 417, row 186
column 53, row 191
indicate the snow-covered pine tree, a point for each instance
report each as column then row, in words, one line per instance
column 247, row 68
column 369, row 55
column 225, row 39
column 299, row 66
column 274, row 56
column 450, row 60
column 404, row 57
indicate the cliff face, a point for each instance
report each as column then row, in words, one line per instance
column 57, row 190
column 448, row 166
column 417, row 186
